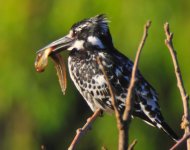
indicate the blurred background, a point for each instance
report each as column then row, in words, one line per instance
column 33, row 110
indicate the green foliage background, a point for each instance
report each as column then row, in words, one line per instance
column 33, row 110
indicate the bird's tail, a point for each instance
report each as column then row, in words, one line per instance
column 165, row 127
column 159, row 123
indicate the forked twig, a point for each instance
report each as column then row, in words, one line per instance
column 185, row 98
column 182, row 140
column 123, row 121
column 84, row 129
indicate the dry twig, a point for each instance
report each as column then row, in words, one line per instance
column 182, row 140
column 128, row 104
column 112, row 94
column 84, row 129
column 123, row 121
column 129, row 101
column 132, row 145
column 118, row 115
column 185, row 98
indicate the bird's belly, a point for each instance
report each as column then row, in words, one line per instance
column 86, row 78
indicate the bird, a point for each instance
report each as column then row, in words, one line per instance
column 91, row 38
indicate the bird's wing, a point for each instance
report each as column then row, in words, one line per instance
column 146, row 98
column 146, row 104
column 118, row 69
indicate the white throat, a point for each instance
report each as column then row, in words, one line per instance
column 78, row 44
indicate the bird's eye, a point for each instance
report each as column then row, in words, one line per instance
column 74, row 33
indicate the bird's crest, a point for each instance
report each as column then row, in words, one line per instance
column 99, row 20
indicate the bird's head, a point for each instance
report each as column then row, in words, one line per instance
column 92, row 33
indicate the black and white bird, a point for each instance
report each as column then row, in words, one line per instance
column 89, row 39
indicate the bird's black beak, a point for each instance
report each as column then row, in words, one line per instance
column 59, row 45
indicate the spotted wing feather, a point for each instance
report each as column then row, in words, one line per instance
column 146, row 104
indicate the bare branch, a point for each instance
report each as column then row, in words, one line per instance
column 180, row 142
column 118, row 115
column 132, row 145
column 112, row 94
column 129, row 101
column 123, row 121
column 185, row 98
column 84, row 129
column 128, row 104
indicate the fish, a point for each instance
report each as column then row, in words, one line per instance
column 41, row 63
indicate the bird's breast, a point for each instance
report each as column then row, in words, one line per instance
column 82, row 71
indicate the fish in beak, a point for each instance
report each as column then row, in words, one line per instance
column 53, row 50
column 59, row 45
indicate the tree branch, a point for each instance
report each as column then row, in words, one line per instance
column 84, row 129
column 112, row 94
column 128, row 104
column 181, row 141
column 123, row 121
column 129, row 99
column 118, row 115
column 185, row 98
column 132, row 145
